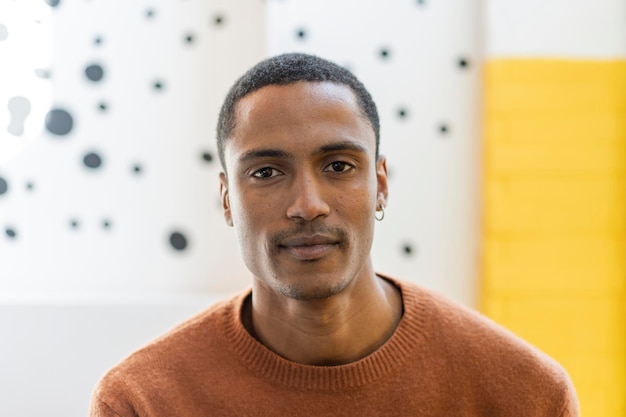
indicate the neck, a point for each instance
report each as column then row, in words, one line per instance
column 333, row 331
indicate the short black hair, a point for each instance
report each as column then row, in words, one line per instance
column 287, row 69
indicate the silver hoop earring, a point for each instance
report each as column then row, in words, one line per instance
column 382, row 215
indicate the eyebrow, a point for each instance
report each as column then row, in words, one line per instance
column 341, row 146
column 264, row 153
column 277, row 153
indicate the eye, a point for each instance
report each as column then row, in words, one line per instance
column 339, row 166
column 265, row 172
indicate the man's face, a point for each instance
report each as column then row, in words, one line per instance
column 302, row 187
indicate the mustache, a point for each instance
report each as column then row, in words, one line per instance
column 308, row 229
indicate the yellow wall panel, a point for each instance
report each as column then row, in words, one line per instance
column 567, row 97
column 552, row 144
column 561, row 155
column 533, row 316
column 557, row 71
column 584, row 333
column 594, row 205
column 554, row 263
column 575, row 129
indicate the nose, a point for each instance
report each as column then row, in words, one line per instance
column 308, row 199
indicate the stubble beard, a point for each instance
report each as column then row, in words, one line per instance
column 300, row 292
column 328, row 283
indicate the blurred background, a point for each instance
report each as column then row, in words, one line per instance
column 503, row 121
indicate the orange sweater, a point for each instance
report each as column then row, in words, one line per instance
column 442, row 360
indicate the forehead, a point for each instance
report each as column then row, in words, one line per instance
column 300, row 114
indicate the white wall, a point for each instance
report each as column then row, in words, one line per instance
column 53, row 353
column 76, row 299
column 556, row 28
column 165, row 132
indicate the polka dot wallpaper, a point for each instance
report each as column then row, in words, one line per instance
column 108, row 168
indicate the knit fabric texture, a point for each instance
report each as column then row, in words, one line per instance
column 442, row 360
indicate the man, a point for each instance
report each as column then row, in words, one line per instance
column 320, row 333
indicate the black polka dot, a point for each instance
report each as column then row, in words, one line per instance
column 218, row 20
column 384, row 53
column 158, row 85
column 137, row 169
column 102, row 106
column 301, row 34
column 189, row 38
column 421, row 2
column 94, row 72
column 106, row 224
column 74, row 223
column 4, row 186
column 463, row 63
column 59, row 122
column 150, row 13
column 97, row 40
column 207, row 157
column 408, row 249
column 30, row 186
column 10, row 232
column 53, row 3
column 92, row 160
column 403, row 113
column 42, row 73
column 444, row 129
column 178, row 241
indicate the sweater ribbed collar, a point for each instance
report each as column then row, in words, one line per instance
column 384, row 361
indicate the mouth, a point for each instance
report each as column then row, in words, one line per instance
column 309, row 248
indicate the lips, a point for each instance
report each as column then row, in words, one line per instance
column 308, row 248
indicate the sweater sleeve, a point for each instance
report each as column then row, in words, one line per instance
column 570, row 402
column 99, row 408
column 109, row 400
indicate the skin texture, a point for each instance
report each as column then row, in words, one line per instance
column 302, row 188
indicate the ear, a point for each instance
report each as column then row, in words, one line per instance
column 225, row 200
column 381, row 178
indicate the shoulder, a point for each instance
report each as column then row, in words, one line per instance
column 446, row 320
column 484, row 356
column 146, row 374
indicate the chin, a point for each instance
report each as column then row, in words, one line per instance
column 311, row 291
